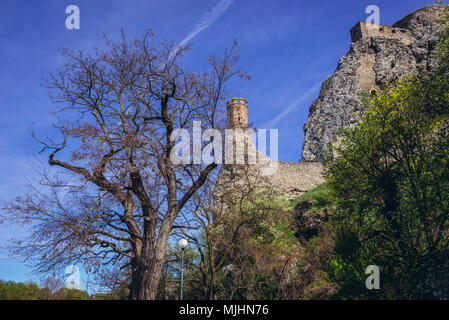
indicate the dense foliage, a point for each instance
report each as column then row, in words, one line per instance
column 10, row 290
column 391, row 184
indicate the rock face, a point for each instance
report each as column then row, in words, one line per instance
column 377, row 57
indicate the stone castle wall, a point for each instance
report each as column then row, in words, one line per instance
column 365, row 29
column 293, row 179
column 290, row 179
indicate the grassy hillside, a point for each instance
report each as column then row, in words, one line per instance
column 319, row 194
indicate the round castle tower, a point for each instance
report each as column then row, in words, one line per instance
column 237, row 113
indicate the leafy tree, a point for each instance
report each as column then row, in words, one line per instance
column 391, row 181
column 10, row 290
column 73, row 294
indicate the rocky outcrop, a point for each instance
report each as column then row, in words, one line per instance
column 374, row 60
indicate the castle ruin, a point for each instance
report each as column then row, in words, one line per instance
column 365, row 29
column 366, row 74
column 290, row 179
column 379, row 55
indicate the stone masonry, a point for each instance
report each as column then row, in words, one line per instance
column 379, row 55
column 290, row 179
column 364, row 30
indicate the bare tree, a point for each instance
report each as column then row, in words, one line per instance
column 51, row 288
column 115, row 281
column 118, row 110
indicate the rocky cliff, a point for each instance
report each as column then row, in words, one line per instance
column 377, row 58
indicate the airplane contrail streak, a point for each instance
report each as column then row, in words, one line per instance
column 204, row 22
column 287, row 110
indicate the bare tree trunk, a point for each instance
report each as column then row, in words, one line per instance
column 212, row 291
column 152, row 259
column 213, row 275
column 147, row 275
column 146, row 288
column 133, row 288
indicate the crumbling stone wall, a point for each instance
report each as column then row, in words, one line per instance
column 289, row 179
column 293, row 179
column 365, row 29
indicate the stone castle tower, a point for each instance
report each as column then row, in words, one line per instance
column 237, row 113
column 363, row 30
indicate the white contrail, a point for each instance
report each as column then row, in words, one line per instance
column 204, row 22
column 272, row 122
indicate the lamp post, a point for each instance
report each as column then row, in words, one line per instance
column 182, row 244
column 87, row 285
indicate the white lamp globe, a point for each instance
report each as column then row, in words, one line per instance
column 182, row 244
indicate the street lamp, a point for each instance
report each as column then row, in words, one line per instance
column 87, row 286
column 182, row 244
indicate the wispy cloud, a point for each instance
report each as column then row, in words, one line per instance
column 295, row 104
column 204, row 22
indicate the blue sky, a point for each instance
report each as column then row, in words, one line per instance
column 288, row 47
